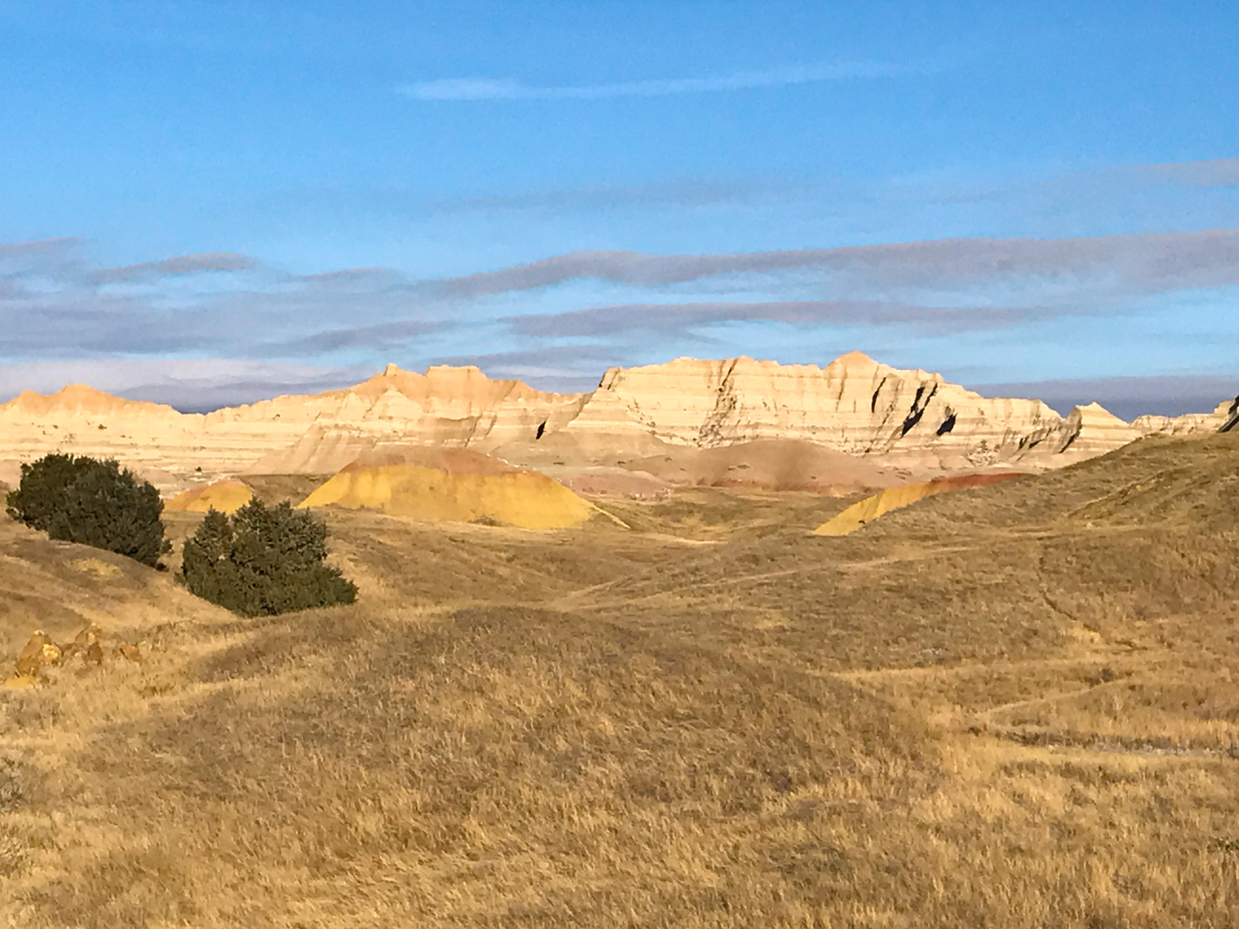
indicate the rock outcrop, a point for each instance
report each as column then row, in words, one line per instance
column 40, row 653
column 853, row 405
column 1232, row 416
column 1092, row 430
column 321, row 449
column 1223, row 419
column 41, row 656
column 448, row 407
column 907, row 419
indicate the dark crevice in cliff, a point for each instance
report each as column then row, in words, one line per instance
column 919, row 404
column 949, row 423
column 1232, row 419
column 873, row 404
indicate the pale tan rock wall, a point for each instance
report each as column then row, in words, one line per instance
column 449, row 407
column 1191, row 423
column 854, row 404
column 909, row 419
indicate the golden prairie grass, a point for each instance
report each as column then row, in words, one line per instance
column 1014, row 706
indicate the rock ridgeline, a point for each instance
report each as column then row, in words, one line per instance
column 1223, row 419
column 854, row 405
column 446, row 406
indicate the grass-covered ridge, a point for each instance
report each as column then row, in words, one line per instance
column 1011, row 706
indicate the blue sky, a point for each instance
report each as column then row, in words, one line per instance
column 226, row 200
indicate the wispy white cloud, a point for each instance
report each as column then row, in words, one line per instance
column 1219, row 172
column 39, row 247
column 671, row 193
column 55, row 305
column 65, row 314
column 688, row 318
column 1114, row 264
column 472, row 89
column 175, row 267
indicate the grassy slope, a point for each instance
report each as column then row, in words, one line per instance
column 1011, row 706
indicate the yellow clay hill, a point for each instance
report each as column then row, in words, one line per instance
column 225, row 496
column 869, row 509
column 452, row 485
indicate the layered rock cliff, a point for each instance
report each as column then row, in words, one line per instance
column 905, row 418
column 1091, row 430
column 446, row 406
column 854, row 405
column 1223, row 419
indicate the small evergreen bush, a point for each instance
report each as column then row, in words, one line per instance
column 76, row 498
column 263, row 561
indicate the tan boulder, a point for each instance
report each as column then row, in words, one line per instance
column 82, row 644
column 39, row 654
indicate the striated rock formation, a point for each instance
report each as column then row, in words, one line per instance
column 83, row 403
column 909, row 420
column 452, row 407
column 87, row 421
column 320, row 450
column 1223, row 419
column 853, row 405
column 1093, row 430
column 446, row 406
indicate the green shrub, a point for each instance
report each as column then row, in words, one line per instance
column 263, row 561
column 80, row 499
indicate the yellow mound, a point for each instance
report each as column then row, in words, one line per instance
column 455, row 486
column 893, row 498
column 225, row 496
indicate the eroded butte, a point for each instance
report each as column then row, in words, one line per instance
column 852, row 425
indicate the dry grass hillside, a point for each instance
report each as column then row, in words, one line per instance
column 1012, row 706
